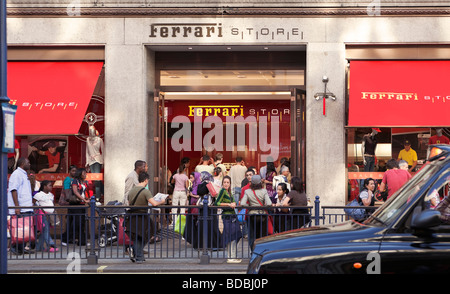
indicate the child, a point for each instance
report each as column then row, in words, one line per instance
column 45, row 198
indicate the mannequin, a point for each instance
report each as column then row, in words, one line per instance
column 94, row 156
column 368, row 147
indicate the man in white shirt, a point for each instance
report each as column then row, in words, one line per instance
column 237, row 174
column 19, row 194
column 19, row 188
column 133, row 178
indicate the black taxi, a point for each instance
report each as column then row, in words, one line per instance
column 407, row 234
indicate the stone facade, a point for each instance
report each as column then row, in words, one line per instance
column 130, row 68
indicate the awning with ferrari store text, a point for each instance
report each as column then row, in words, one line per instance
column 399, row 94
column 51, row 97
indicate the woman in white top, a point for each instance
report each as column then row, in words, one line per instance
column 45, row 198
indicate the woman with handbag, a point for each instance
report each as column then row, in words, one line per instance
column 215, row 238
column 258, row 219
column 76, row 216
column 231, row 227
column 297, row 197
column 190, row 231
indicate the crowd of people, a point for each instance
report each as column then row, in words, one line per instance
column 229, row 191
column 24, row 192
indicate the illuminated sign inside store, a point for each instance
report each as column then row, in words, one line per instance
column 215, row 110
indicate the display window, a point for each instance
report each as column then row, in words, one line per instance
column 396, row 110
column 60, row 119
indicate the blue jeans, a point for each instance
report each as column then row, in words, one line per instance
column 45, row 237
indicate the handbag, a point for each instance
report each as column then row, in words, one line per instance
column 63, row 198
column 269, row 217
column 355, row 213
column 71, row 197
column 21, row 229
column 180, row 224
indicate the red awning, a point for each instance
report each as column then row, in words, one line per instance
column 399, row 94
column 51, row 97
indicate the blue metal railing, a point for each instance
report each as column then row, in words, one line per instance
column 97, row 232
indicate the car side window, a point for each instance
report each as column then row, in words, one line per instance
column 438, row 191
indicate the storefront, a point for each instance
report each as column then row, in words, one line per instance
column 237, row 104
column 60, row 109
column 403, row 100
column 163, row 63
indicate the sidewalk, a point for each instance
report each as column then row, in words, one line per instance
column 150, row 266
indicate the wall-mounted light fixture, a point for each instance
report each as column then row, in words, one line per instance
column 324, row 95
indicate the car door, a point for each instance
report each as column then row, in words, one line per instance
column 404, row 250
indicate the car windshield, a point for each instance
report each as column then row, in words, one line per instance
column 398, row 201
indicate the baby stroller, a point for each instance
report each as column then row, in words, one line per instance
column 109, row 231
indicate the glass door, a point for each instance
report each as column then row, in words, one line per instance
column 298, row 134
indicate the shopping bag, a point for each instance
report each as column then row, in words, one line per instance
column 269, row 225
column 242, row 215
column 21, row 229
column 213, row 189
column 123, row 237
column 180, row 223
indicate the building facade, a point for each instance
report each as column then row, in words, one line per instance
column 175, row 74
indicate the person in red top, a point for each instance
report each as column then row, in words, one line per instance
column 394, row 178
column 439, row 138
column 248, row 174
column 53, row 157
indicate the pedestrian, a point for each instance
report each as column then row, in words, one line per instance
column 281, row 214
column 218, row 176
column 205, row 165
column 46, row 217
column 191, row 229
column 133, row 178
column 282, row 178
column 179, row 197
column 237, row 175
column 268, row 180
column 256, row 196
column 19, row 194
column 409, row 155
column 394, row 178
column 231, row 228
column 76, row 214
column 298, row 200
column 248, row 175
column 67, row 183
column 140, row 225
column 366, row 196
column 402, row 164
column 215, row 238
column 218, row 162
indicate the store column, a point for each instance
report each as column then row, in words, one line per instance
column 125, row 116
column 325, row 144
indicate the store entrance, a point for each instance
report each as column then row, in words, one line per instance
column 269, row 129
column 255, row 114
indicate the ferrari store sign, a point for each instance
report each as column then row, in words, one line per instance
column 399, row 93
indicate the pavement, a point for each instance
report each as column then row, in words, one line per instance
column 115, row 266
